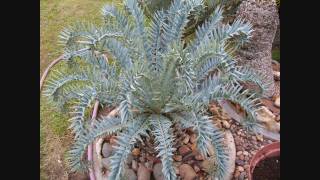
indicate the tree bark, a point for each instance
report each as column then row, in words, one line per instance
column 263, row 16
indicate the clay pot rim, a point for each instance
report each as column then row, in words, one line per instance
column 270, row 150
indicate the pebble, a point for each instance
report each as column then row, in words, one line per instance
column 239, row 153
column 245, row 153
column 141, row 159
column 196, row 168
column 277, row 102
column 177, row 157
column 242, row 175
column 134, row 165
column 183, row 150
column 240, row 168
column 241, row 157
column 187, row 172
column 226, row 124
column 259, row 138
column 107, row 150
column 198, row 157
column 239, row 162
column 236, row 174
column 186, row 139
column 276, row 75
column 136, row 152
column 157, row 172
column 106, row 163
column 193, row 138
column 143, row 173
column 129, row 174
column 129, row 159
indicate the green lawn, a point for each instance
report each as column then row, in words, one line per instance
column 55, row 137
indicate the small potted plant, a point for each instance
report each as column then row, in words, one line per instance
column 259, row 168
column 155, row 80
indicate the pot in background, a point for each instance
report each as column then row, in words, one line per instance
column 270, row 150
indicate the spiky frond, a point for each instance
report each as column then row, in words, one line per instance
column 209, row 133
column 179, row 11
column 59, row 79
column 119, row 52
column 246, row 74
column 237, row 94
column 78, row 124
column 104, row 126
column 157, row 38
column 161, row 130
column 206, row 28
column 125, row 142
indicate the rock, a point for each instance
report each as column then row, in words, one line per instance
column 129, row 159
column 239, row 153
column 254, row 138
column 199, row 157
column 239, row 162
column 236, row 174
column 245, row 153
column 241, row 157
column 177, row 157
column 242, row 175
column 136, row 152
column 107, row 150
column 246, row 166
column 277, row 102
column 265, row 115
column 259, row 137
column 149, row 165
column 276, row 75
column 187, row 172
column 134, row 165
column 268, row 118
column 183, row 150
column 257, row 54
column 186, row 139
column 157, row 172
column 142, row 159
column 143, row 173
column 278, row 118
column 240, row 168
column 193, row 138
column 196, row 168
column 226, row 124
column 129, row 174
column 106, row 163
column 192, row 146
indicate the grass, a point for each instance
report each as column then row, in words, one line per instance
column 276, row 54
column 55, row 138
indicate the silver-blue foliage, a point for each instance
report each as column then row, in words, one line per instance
column 155, row 79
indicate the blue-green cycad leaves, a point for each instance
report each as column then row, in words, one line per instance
column 154, row 79
column 164, row 139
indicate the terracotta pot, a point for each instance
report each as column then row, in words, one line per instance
column 270, row 150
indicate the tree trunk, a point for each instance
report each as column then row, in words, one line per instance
column 263, row 16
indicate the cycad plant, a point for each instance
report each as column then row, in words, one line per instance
column 155, row 79
column 198, row 16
